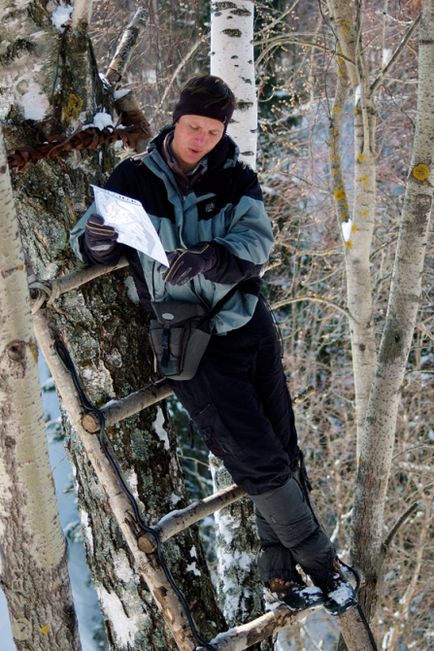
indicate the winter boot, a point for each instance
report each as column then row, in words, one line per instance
column 339, row 595
column 296, row 594
column 275, row 560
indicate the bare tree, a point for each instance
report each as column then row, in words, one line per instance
column 405, row 293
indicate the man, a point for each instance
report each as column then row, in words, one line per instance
column 208, row 210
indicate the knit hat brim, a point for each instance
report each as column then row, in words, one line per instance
column 196, row 104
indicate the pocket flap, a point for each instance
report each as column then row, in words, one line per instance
column 174, row 312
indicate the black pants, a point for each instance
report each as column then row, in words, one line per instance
column 241, row 405
column 240, row 402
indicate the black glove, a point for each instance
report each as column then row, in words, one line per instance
column 185, row 264
column 99, row 237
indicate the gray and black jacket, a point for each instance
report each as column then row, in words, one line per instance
column 223, row 207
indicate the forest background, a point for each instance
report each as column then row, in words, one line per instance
column 296, row 74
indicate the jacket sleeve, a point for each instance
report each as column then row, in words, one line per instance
column 228, row 268
column 246, row 246
column 118, row 182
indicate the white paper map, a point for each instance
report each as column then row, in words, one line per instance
column 131, row 222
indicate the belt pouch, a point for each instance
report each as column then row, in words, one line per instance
column 179, row 336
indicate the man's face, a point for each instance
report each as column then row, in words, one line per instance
column 193, row 138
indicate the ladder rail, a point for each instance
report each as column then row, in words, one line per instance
column 147, row 565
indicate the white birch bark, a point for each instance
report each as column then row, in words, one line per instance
column 404, row 300
column 238, row 585
column 360, row 220
column 232, row 60
column 33, row 567
column 24, row 85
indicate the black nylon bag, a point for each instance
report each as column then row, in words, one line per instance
column 179, row 336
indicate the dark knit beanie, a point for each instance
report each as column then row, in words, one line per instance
column 208, row 96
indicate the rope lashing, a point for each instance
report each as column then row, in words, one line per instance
column 139, row 523
column 43, row 292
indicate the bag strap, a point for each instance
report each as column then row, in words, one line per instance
column 218, row 306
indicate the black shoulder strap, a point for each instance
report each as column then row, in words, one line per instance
column 218, row 306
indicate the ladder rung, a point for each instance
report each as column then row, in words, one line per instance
column 245, row 635
column 52, row 289
column 180, row 519
column 116, row 410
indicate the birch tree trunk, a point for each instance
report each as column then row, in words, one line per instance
column 232, row 60
column 405, row 295
column 50, row 85
column 378, row 382
column 357, row 222
column 33, row 567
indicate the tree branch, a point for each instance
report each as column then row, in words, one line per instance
column 81, row 13
column 398, row 524
column 127, row 105
column 338, row 184
column 179, row 68
column 123, row 52
column 395, row 55
column 317, row 299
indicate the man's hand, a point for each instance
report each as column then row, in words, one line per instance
column 99, row 237
column 185, row 264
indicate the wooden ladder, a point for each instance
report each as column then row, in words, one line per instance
column 142, row 548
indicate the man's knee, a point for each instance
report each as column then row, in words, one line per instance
column 287, row 512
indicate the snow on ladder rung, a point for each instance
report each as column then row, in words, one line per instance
column 180, row 519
